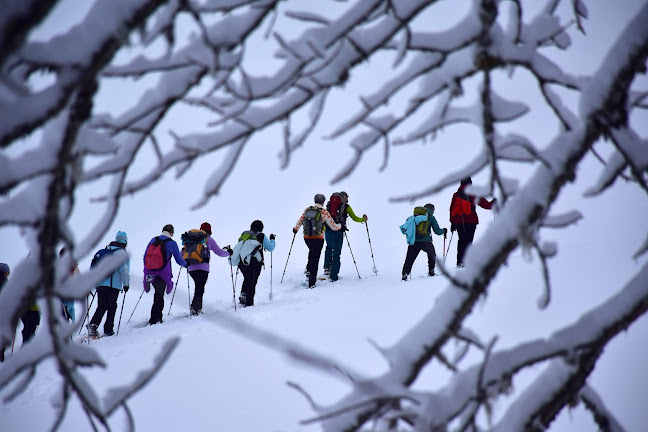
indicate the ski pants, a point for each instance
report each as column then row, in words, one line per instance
column 466, row 233
column 158, row 300
column 30, row 320
column 106, row 302
column 314, row 253
column 200, row 279
column 334, row 243
column 412, row 253
column 251, row 274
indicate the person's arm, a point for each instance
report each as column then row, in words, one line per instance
column 353, row 216
column 213, row 246
column 268, row 244
column 484, row 203
column 124, row 271
column 299, row 222
column 173, row 246
column 329, row 220
column 435, row 227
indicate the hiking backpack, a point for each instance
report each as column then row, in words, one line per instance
column 156, row 254
column 421, row 227
column 461, row 205
column 194, row 246
column 101, row 254
column 337, row 208
column 313, row 223
column 247, row 247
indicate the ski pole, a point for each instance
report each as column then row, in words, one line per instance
column 233, row 285
column 449, row 243
column 270, row 275
column 122, row 312
column 138, row 300
column 175, row 288
column 444, row 248
column 87, row 313
column 375, row 270
column 354, row 261
column 14, row 338
column 286, row 266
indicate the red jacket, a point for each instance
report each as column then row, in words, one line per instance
column 470, row 218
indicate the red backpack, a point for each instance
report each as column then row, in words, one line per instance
column 334, row 206
column 461, row 205
column 156, row 257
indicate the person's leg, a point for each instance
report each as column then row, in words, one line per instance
column 314, row 253
column 328, row 252
column 466, row 234
column 113, row 295
column 246, row 271
column 158, row 300
column 102, row 306
column 410, row 257
column 255, row 271
column 337, row 241
column 428, row 248
column 200, row 279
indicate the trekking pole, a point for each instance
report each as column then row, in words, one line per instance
column 14, row 338
column 354, row 261
column 449, row 243
column 375, row 270
column 286, row 266
column 270, row 275
column 87, row 313
column 444, row 248
column 175, row 288
column 233, row 286
column 138, row 300
column 121, row 313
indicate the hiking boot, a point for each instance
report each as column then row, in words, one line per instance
column 242, row 298
column 193, row 312
column 460, row 265
column 405, row 276
column 431, row 273
column 152, row 322
column 109, row 333
column 92, row 330
column 327, row 271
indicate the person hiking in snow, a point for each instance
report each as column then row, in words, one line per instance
column 248, row 255
column 422, row 243
column 199, row 272
column 157, row 269
column 313, row 221
column 109, row 288
column 463, row 217
column 339, row 208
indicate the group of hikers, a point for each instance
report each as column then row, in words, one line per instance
column 319, row 224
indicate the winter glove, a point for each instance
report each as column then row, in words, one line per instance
column 126, row 288
column 169, row 289
column 453, row 227
column 445, row 231
column 148, row 288
column 272, row 236
column 365, row 217
column 230, row 251
column 345, row 228
column 295, row 230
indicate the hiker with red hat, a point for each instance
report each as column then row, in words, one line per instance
column 199, row 272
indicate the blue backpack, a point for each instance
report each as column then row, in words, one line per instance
column 101, row 254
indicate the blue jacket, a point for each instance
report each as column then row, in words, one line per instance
column 121, row 277
column 409, row 227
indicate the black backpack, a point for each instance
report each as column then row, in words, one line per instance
column 313, row 223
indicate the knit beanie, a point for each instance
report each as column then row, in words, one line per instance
column 257, row 226
column 206, row 227
column 4, row 268
column 466, row 181
column 121, row 237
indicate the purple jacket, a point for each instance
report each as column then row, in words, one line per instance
column 165, row 272
column 212, row 246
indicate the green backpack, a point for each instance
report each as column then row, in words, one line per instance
column 421, row 227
